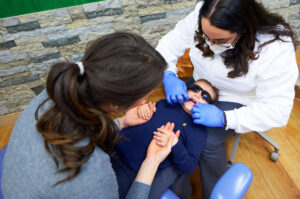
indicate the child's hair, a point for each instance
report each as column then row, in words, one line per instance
column 119, row 68
column 214, row 101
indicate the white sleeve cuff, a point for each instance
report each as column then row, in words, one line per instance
column 231, row 118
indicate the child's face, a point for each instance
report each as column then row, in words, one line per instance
column 196, row 97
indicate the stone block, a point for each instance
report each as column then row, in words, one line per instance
column 286, row 13
column 38, row 89
column 275, row 4
column 12, row 57
column 27, row 48
column 91, row 36
column 170, row 1
column 3, row 110
column 23, row 27
column 44, row 67
column 128, row 24
column 79, row 31
column 43, row 51
column 184, row 11
column 107, row 12
column 152, row 17
column 110, row 4
column 16, row 97
column 157, row 3
column 78, row 23
column 106, row 19
column 35, row 16
column 161, row 26
column 20, row 80
column 74, row 49
column 182, row 5
column 10, row 21
column 12, row 71
column 58, row 17
column 31, row 39
column 154, row 10
column 90, row 7
column 130, row 11
column 128, row 2
column 47, row 57
column 37, row 32
column 76, row 12
column 294, row 21
column 7, row 44
column 23, row 62
column 294, row 2
column 141, row 3
column 55, row 29
column 61, row 42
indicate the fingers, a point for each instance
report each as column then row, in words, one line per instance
column 169, row 126
column 173, row 99
column 170, row 141
column 169, row 99
column 186, row 96
column 152, row 106
column 177, row 133
column 180, row 99
column 198, row 121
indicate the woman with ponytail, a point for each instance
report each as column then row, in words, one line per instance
column 62, row 143
column 248, row 54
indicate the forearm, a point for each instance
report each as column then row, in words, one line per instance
column 147, row 171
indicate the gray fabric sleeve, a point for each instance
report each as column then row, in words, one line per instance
column 138, row 190
column 117, row 122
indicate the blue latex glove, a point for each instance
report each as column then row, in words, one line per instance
column 207, row 115
column 175, row 88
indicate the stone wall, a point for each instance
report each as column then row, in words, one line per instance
column 30, row 44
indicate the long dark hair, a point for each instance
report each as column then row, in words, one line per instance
column 119, row 68
column 247, row 18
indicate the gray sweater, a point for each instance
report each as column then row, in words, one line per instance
column 29, row 171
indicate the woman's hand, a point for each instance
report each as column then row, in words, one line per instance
column 162, row 135
column 176, row 90
column 160, row 152
column 207, row 115
column 146, row 111
column 155, row 155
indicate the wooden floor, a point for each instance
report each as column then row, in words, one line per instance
column 278, row 180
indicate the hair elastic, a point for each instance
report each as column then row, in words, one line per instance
column 81, row 67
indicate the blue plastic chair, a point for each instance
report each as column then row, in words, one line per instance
column 233, row 184
column 2, row 153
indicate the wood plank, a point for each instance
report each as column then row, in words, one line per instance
column 9, row 119
column 5, row 133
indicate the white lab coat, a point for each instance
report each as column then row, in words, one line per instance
column 267, row 90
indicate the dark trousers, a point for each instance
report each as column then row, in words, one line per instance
column 167, row 178
column 213, row 162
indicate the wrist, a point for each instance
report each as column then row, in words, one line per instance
column 122, row 123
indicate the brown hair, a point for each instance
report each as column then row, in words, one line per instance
column 247, row 18
column 119, row 68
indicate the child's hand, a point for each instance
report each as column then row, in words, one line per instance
column 146, row 111
column 163, row 134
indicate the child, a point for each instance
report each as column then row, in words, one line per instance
column 186, row 151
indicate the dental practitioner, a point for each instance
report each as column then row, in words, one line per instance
column 246, row 52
